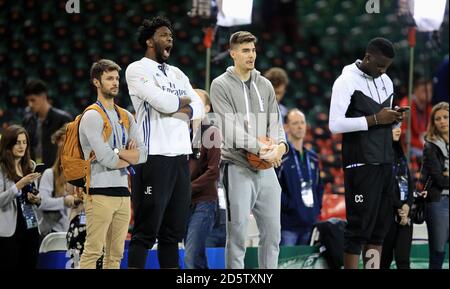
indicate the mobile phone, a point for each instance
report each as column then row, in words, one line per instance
column 40, row 168
column 402, row 109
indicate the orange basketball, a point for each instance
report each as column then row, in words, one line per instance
column 257, row 163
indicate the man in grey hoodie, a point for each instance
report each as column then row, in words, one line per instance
column 245, row 101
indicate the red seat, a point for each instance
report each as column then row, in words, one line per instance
column 333, row 206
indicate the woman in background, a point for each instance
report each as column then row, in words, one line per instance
column 57, row 200
column 19, row 236
column 435, row 170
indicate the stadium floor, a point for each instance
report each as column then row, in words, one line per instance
column 296, row 257
column 308, row 257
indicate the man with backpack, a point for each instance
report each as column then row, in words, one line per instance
column 108, row 138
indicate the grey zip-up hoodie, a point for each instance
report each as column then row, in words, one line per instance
column 245, row 114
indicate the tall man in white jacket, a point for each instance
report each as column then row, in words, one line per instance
column 164, row 102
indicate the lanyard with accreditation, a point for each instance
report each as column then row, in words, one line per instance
column 306, row 184
column 130, row 168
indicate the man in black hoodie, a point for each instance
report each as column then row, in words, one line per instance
column 361, row 109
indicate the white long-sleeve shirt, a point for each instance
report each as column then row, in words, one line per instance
column 155, row 90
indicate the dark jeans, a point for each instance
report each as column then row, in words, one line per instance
column 437, row 226
column 200, row 224
column 300, row 236
column 20, row 251
column 218, row 235
column 397, row 243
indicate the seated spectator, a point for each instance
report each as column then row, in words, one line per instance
column 419, row 113
column 19, row 236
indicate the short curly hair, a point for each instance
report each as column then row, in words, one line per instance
column 148, row 28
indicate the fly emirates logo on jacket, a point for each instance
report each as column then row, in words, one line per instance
column 168, row 86
column 172, row 89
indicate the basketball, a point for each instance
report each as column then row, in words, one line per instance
column 254, row 160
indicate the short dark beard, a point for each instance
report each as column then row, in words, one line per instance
column 105, row 93
column 159, row 53
column 108, row 95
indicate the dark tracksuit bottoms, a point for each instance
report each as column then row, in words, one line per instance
column 161, row 197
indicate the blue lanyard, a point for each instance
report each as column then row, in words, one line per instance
column 130, row 168
column 298, row 167
column 112, row 126
column 404, row 166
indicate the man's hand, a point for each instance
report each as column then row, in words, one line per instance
column 266, row 147
column 269, row 154
column 266, row 144
column 184, row 101
column 403, row 211
column 275, row 155
column 384, row 116
column 388, row 116
column 131, row 153
column 132, row 144
column 404, row 221
column 445, row 173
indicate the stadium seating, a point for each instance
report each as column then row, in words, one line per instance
column 54, row 242
column 42, row 40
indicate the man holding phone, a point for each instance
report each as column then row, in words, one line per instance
column 402, row 109
column 361, row 109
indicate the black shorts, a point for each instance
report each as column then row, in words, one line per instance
column 369, row 192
